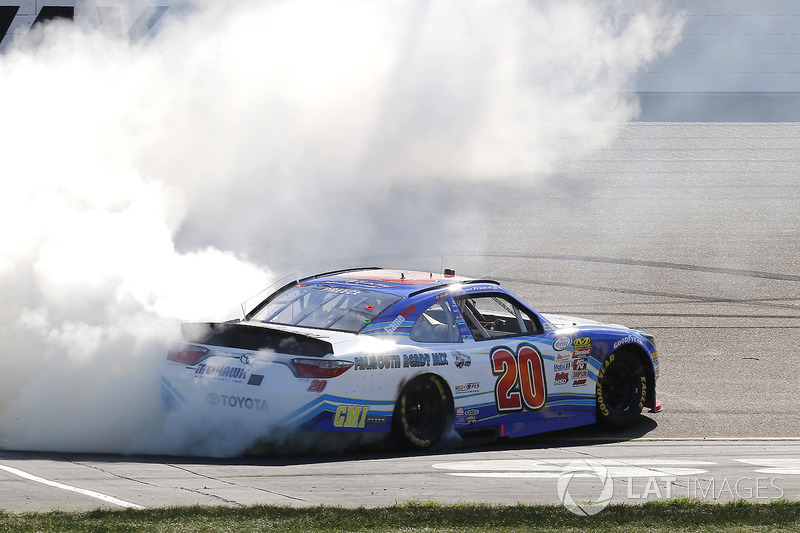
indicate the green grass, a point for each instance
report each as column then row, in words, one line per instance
column 671, row 515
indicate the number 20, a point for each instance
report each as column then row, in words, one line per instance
column 521, row 378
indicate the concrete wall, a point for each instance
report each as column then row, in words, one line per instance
column 738, row 60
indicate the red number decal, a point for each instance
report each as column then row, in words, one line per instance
column 521, row 378
column 531, row 377
column 318, row 385
column 504, row 363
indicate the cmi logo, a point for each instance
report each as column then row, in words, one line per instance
column 19, row 18
column 350, row 416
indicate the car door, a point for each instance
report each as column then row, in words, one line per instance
column 510, row 341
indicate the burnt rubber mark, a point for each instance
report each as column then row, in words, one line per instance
column 690, row 315
column 689, row 297
column 653, row 264
column 231, row 483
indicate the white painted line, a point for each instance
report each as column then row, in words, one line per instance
column 90, row 493
column 614, row 472
column 789, row 466
column 552, row 469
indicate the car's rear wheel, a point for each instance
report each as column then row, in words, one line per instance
column 621, row 389
column 421, row 413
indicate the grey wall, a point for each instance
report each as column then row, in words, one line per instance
column 738, row 60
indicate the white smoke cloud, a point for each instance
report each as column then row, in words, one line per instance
column 154, row 182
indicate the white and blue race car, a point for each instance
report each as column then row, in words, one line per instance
column 413, row 354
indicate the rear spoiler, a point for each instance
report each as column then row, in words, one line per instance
column 247, row 337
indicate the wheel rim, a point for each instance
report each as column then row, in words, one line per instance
column 618, row 388
column 420, row 410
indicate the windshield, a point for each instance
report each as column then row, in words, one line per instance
column 325, row 307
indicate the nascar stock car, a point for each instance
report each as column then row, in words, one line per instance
column 414, row 355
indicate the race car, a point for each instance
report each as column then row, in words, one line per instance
column 415, row 355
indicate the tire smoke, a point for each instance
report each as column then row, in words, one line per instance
column 152, row 182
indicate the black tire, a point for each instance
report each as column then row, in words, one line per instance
column 621, row 389
column 421, row 413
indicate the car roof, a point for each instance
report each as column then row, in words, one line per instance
column 399, row 282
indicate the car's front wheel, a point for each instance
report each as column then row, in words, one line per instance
column 621, row 389
column 421, row 413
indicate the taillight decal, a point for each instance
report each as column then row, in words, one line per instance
column 187, row 354
column 320, row 368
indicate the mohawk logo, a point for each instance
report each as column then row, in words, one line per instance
column 18, row 18
column 221, row 372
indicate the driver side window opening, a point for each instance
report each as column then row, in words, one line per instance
column 436, row 324
column 491, row 316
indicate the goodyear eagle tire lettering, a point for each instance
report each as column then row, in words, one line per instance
column 621, row 389
column 421, row 413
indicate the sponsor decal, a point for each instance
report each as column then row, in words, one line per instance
column 415, row 360
column 441, row 296
column 337, row 290
column 350, row 416
column 562, row 378
column 558, row 367
column 375, row 420
column 581, row 352
column 369, row 284
column 472, row 288
column 468, row 387
column 563, row 356
column 464, row 416
column 376, row 362
column 561, row 343
column 221, row 372
column 246, row 358
column 397, row 322
column 579, row 383
column 462, row 326
column 628, row 340
column 582, row 342
column 580, row 364
column 236, row 402
column 462, row 360
column 580, row 374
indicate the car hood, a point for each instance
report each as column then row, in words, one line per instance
column 564, row 321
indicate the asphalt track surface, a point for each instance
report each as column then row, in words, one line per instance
column 688, row 231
